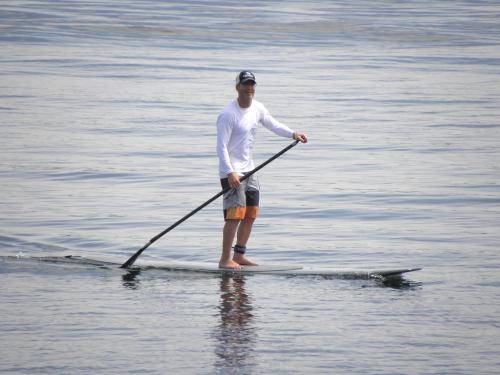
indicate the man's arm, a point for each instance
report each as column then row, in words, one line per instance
column 281, row 129
column 224, row 130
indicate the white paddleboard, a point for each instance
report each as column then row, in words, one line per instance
column 281, row 269
column 206, row 267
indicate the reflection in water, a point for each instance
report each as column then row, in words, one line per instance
column 235, row 335
column 398, row 283
column 130, row 279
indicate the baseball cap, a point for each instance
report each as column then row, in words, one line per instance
column 245, row 76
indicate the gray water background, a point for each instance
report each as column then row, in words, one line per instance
column 107, row 136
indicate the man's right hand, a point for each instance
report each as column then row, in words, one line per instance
column 234, row 180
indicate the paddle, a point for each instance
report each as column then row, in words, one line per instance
column 134, row 257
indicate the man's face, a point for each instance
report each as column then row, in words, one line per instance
column 246, row 90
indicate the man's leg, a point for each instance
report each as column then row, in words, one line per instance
column 244, row 231
column 228, row 234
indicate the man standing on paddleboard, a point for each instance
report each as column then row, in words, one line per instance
column 236, row 129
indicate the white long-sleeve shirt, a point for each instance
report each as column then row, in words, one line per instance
column 236, row 130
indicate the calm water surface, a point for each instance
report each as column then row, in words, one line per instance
column 107, row 136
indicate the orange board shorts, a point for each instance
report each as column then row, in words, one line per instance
column 242, row 202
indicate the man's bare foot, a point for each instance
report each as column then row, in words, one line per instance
column 230, row 265
column 243, row 260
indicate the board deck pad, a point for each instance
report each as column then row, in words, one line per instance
column 213, row 267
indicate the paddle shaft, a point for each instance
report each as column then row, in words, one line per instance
column 134, row 257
